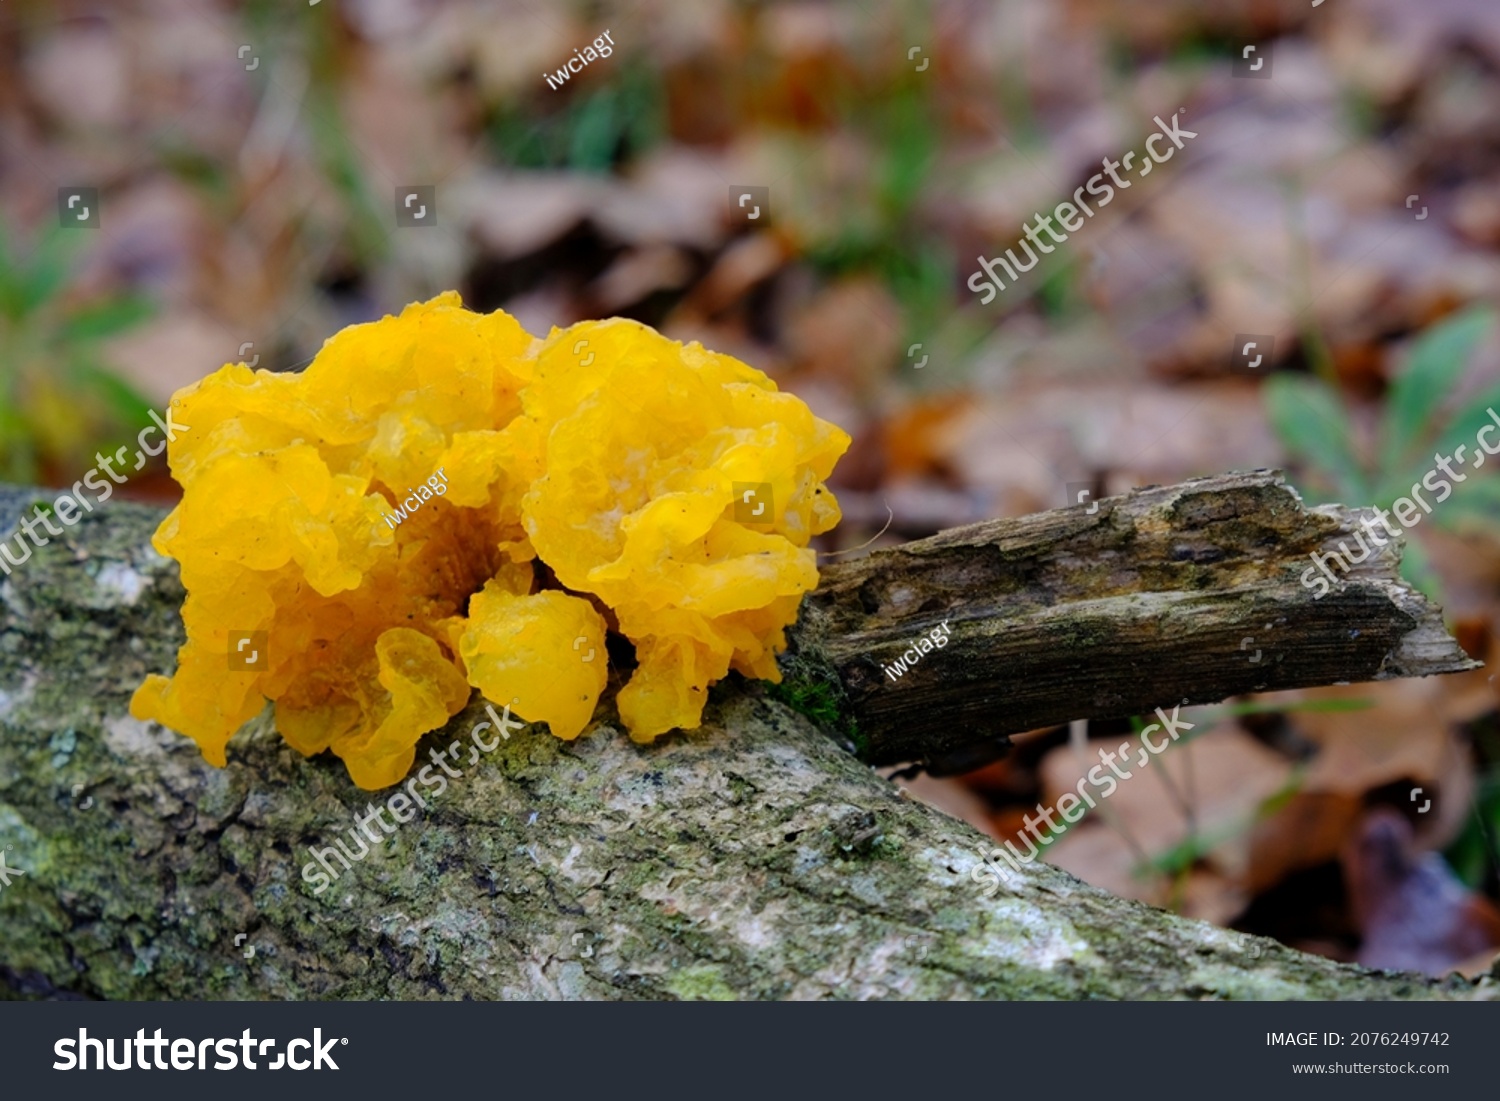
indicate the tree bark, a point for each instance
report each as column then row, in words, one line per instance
column 1178, row 594
column 752, row 858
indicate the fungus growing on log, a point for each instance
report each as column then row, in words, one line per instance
column 604, row 478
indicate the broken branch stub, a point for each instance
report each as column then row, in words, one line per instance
column 1188, row 593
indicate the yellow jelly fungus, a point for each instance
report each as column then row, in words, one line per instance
column 670, row 490
column 543, row 654
column 645, row 446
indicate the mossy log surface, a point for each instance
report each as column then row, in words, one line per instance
column 1178, row 594
column 754, row 858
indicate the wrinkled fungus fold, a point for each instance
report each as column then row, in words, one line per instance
column 602, row 479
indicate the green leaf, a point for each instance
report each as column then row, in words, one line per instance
column 44, row 277
column 910, row 143
column 1472, row 852
column 106, row 318
column 123, row 401
column 596, row 133
column 1474, row 506
column 1271, row 707
column 17, row 449
column 1314, row 427
column 1437, row 362
column 1462, row 429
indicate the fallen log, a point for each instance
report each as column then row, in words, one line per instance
column 753, row 858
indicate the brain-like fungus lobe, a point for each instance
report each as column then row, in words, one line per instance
column 603, row 479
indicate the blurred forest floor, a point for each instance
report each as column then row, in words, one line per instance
column 249, row 161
